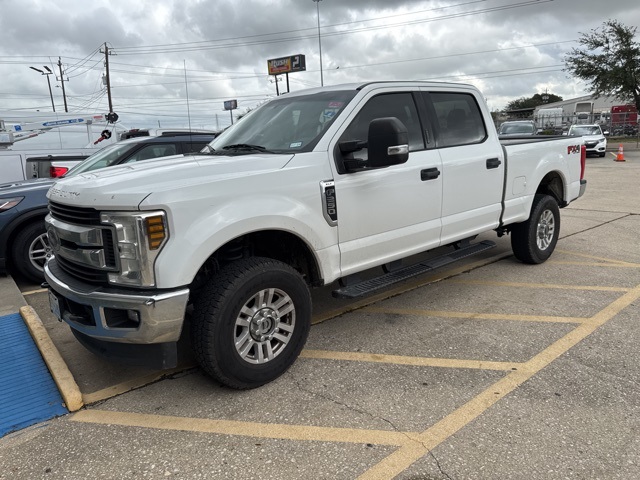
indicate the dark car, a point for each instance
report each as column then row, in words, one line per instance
column 24, row 247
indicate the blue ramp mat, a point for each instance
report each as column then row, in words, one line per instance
column 28, row 394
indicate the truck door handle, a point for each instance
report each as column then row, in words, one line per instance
column 493, row 163
column 429, row 174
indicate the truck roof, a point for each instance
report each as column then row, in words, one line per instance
column 363, row 85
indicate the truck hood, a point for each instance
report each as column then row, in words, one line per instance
column 126, row 186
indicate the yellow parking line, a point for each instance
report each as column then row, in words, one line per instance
column 411, row 445
column 405, row 456
column 592, row 257
column 406, row 360
column 408, row 286
column 31, row 292
column 247, row 429
column 541, row 285
column 475, row 316
column 60, row 373
column 595, row 264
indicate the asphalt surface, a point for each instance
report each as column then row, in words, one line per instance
column 489, row 369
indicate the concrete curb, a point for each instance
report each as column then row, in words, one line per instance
column 59, row 371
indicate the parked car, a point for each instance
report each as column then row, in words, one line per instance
column 59, row 167
column 24, row 247
column 517, row 127
column 593, row 137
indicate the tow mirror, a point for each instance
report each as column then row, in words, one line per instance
column 388, row 142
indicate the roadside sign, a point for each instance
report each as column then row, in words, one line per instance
column 292, row 63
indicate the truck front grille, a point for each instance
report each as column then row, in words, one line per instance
column 74, row 215
column 85, row 247
column 82, row 272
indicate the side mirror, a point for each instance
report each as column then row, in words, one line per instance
column 388, row 142
column 350, row 146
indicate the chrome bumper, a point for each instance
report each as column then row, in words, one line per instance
column 98, row 311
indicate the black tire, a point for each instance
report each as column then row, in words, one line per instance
column 244, row 345
column 601, row 154
column 534, row 240
column 30, row 250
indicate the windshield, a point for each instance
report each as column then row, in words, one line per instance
column 511, row 128
column 284, row 125
column 103, row 158
column 586, row 130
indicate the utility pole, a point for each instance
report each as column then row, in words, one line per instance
column 106, row 64
column 64, row 95
column 317, row 2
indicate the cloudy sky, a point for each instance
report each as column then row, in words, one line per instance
column 209, row 51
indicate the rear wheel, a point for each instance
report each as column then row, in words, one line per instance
column 251, row 322
column 30, row 251
column 534, row 240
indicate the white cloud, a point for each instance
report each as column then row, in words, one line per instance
column 510, row 49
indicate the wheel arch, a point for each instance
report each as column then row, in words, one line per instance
column 269, row 243
column 553, row 184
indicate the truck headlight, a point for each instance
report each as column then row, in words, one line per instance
column 139, row 238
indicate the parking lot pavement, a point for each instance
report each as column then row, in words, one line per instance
column 501, row 371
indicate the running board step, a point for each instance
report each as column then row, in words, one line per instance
column 369, row 286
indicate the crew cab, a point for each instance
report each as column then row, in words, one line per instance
column 310, row 188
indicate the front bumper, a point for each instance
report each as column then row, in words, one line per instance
column 118, row 315
column 597, row 148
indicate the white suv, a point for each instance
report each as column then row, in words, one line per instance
column 594, row 139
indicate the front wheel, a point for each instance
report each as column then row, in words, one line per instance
column 251, row 322
column 534, row 240
column 31, row 250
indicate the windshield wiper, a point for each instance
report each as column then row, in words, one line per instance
column 247, row 147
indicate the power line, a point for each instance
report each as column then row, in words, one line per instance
column 183, row 48
column 302, row 29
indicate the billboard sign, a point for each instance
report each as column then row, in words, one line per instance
column 292, row 63
column 230, row 104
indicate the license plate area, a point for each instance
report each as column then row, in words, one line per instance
column 54, row 305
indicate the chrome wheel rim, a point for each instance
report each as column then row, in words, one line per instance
column 546, row 229
column 264, row 326
column 40, row 251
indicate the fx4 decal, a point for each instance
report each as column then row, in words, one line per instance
column 573, row 149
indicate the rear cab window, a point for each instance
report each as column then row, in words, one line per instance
column 458, row 118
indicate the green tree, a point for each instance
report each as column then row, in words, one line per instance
column 609, row 60
column 532, row 102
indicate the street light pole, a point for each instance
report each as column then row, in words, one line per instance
column 317, row 2
column 46, row 74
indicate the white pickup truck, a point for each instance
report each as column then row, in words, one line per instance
column 311, row 188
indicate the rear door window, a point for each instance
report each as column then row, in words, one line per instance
column 458, row 119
